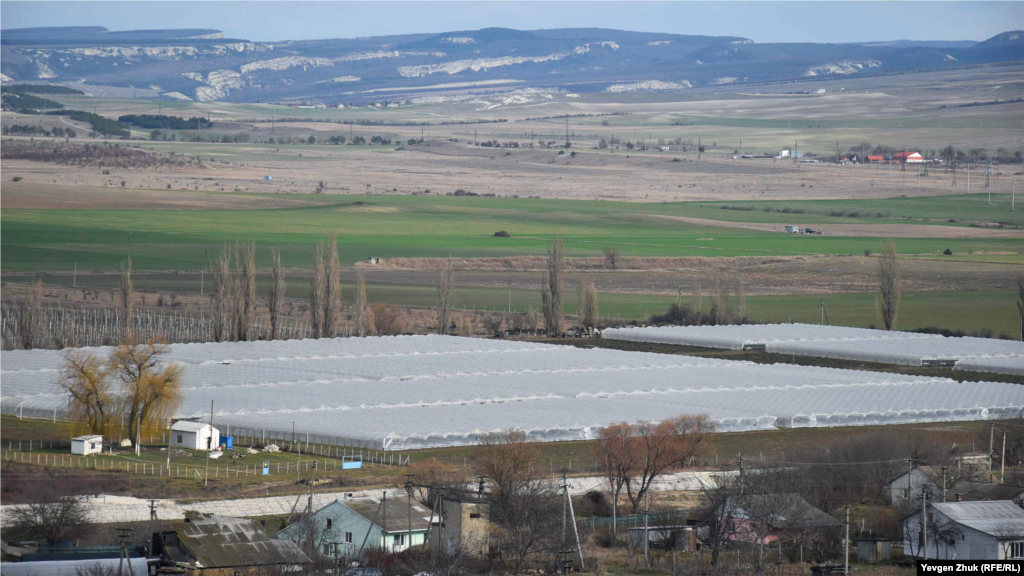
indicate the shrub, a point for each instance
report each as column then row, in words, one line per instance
column 867, row 252
column 16, row 179
column 948, row 252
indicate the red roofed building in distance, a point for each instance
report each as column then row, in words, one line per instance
column 908, row 157
column 874, row 159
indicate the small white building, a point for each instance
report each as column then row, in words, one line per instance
column 85, row 445
column 194, row 435
column 792, row 229
column 988, row 530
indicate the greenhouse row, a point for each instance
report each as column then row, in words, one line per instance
column 419, row 391
column 838, row 342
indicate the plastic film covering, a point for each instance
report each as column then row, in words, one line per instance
column 421, row 391
column 998, row 364
column 736, row 337
column 911, row 351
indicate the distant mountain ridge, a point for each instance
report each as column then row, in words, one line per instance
column 199, row 64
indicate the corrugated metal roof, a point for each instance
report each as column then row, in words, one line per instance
column 189, row 426
column 994, row 517
column 88, row 438
column 791, row 510
column 222, row 542
column 987, row 491
column 396, row 514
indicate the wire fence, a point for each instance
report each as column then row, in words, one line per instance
column 326, row 445
column 58, row 327
column 107, row 463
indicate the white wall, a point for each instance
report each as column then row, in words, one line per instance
column 969, row 545
column 85, row 447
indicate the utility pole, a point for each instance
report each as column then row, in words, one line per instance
column 991, row 438
column 170, row 435
column 298, row 454
column 910, row 474
column 123, row 535
column 647, row 531
column 1002, row 462
column 209, row 447
column 741, row 458
column 567, row 144
column 943, row 469
column 408, row 490
column 846, row 542
column 924, row 523
column 568, row 512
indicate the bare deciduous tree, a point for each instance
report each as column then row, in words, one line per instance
column 611, row 257
column 125, row 292
column 616, row 452
column 277, row 292
column 524, row 507
column 83, row 376
column 244, row 292
column 332, row 289
column 318, row 291
column 639, row 453
column 151, row 391
column 388, row 319
column 31, row 322
column 362, row 321
column 889, row 284
column 717, row 506
column 589, row 306
column 551, row 291
column 1020, row 302
column 445, row 296
column 221, row 296
column 51, row 516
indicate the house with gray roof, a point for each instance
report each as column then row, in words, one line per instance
column 981, row 530
column 217, row 545
column 342, row 527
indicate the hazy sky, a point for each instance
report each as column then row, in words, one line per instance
column 761, row 21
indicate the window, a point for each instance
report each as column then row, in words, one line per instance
column 327, row 549
column 179, row 439
column 348, row 537
column 399, row 539
column 1017, row 550
column 329, row 523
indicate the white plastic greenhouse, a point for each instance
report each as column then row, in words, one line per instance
column 1000, row 364
column 418, row 391
column 829, row 342
column 739, row 337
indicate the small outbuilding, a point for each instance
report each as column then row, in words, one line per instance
column 194, row 435
column 85, row 445
column 793, row 230
column 874, row 550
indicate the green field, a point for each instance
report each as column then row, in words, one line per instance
column 419, row 226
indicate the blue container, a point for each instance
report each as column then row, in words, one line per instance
column 229, row 442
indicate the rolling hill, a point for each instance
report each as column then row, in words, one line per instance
column 199, row 64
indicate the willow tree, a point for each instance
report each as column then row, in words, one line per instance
column 889, row 280
column 91, row 398
column 150, row 389
column 551, row 290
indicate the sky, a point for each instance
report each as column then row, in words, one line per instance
column 824, row 21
